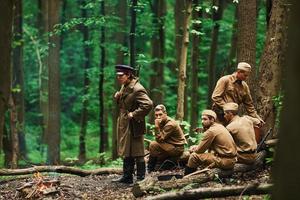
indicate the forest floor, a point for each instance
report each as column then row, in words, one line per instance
column 102, row 187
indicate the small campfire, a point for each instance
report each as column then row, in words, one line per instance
column 39, row 187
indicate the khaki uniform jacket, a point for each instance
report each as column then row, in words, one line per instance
column 242, row 131
column 133, row 98
column 171, row 132
column 218, row 139
column 229, row 89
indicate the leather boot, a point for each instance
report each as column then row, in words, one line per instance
column 140, row 170
column 128, row 167
column 189, row 170
column 151, row 164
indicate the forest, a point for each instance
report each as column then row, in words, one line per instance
column 58, row 80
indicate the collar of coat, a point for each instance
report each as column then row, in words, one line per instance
column 235, row 80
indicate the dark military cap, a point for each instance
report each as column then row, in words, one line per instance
column 124, row 69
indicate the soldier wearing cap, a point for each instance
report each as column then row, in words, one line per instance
column 170, row 138
column 233, row 88
column 222, row 150
column 134, row 104
column 242, row 131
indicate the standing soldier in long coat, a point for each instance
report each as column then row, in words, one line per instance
column 134, row 104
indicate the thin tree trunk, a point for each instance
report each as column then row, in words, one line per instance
column 132, row 35
column 103, row 133
column 14, row 134
column 121, row 40
column 195, row 56
column 54, row 87
column 272, row 65
column 86, row 85
column 6, row 21
column 158, row 54
column 18, row 77
column 231, row 62
column 246, row 44
column 216, row 16
column 183, row 61
column 179, row 20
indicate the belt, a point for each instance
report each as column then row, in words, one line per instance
column 246, row 152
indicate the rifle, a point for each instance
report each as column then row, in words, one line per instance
column 261, row 145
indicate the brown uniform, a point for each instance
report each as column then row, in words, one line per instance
column 133, row 99
column 216, row 139
column 242, row 131
column 229, row 89
column 171, row 141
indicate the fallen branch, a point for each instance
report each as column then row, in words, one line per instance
column 60, row 169
column 151, row 183
column 202, row 193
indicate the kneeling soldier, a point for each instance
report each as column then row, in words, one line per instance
column 170, row 139
column 219, row 142
column 242, row 131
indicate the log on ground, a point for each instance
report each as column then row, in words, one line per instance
column 60, row 169
column 201, row 193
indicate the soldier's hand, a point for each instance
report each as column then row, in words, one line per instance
column 117, row 95
column 157, row 123
column 193, row 148
column 130, row 115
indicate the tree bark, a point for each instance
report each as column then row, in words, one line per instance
column 183, row 61
column 54, row 86
column 86, row 85
column 13, row 134
column 246, row 42
column 6, row 21
column 103, row 133
column 121, row 40
column 286, row 174
column 60, row 169
column 195, row 56
column 132, row 35
column 18, row 77
column 216, row 16
column 201, row 193
column 271, row 67
column 158, row 54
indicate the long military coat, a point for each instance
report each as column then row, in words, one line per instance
column 133, row 98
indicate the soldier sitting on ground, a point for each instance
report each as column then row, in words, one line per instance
column 219, row 142
column 170, row 139
column 242, row 131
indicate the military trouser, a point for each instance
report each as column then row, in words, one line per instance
column 163, row 150
column 211, row 160
column 246, row 158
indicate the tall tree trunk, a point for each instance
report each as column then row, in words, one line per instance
column 86, row 85
column 53, row 133
column 103, row 133
column 286, row 174
column 268, row 11
column 6, row 21
column 121, row 40
column 231, row 62
column 246, row 44
column 18, row 77
column 132, row 35
column 216, row 16
column 183, row 61
column 272, row 64
column 195, row 56
column 158, row 54
column 43, row 21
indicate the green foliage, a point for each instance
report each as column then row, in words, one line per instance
column 278, row 100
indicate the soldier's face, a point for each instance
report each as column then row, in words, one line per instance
column 228, row 116
column 206, row 122
column 242, row 75
column 160, row 115
column 122, row 78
